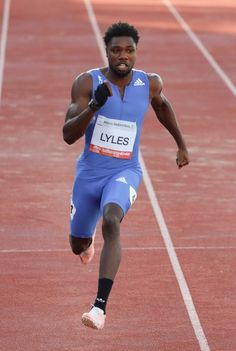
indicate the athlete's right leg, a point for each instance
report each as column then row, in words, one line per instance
column 79, row 245
column 84, row 217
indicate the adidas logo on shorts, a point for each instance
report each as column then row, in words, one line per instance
column 122, row 180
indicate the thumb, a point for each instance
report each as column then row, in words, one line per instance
column 108, row 87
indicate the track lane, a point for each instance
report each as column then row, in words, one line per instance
column 31, row 222
column 198, row 203
column 214, row 23
column 41, row 221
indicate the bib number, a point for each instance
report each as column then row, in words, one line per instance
column 114, row 138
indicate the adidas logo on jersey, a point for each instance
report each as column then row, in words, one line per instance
column 138, row 82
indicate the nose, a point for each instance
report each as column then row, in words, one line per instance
column 123, row 55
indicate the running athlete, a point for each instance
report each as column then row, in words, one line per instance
column 108, row 106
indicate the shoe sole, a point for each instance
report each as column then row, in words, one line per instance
column 90, row 323
column 87, row 257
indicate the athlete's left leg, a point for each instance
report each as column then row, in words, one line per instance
column 109, row 263
column 118, row 196
column 111, row 253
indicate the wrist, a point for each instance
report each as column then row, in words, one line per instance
column 182, row 147
column 181, row 144
column 93, row 105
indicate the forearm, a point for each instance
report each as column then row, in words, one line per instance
column 166, row 116
column 76, row 124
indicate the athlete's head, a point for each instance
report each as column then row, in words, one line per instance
column 121, row 29
column 121, row 41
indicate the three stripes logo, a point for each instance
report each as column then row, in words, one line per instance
column 122, row 180
column 138, row 82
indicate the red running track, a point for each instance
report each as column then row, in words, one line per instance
column 44, row 289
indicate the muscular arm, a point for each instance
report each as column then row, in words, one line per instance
column 166, row 116
column 78, row 114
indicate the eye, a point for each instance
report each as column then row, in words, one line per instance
column 115, row 50
column 130, row 50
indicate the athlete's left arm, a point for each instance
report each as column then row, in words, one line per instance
column 166, row 116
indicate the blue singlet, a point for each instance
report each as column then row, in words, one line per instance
column 100, row 178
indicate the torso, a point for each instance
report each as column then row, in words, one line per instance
column 127, row 106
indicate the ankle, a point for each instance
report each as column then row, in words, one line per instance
column 104, row 289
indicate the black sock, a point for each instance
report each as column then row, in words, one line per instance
column 104, row 288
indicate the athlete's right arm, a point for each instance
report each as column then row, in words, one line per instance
column 82, row 107
column 79, row 114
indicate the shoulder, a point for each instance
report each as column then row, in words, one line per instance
column 156, row 83
column 84, row 78
column 82, row 85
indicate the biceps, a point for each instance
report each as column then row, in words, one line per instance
column 158, row 101
column 71, row 112
column 77, row 107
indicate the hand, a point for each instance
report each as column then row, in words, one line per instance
column 101, row 95
column 182, row 158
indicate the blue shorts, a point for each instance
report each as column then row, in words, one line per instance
column 89, row 196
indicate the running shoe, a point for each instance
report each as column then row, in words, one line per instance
column 88, row 254
column 95, row 318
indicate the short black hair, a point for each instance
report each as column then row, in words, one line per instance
column 121, row 29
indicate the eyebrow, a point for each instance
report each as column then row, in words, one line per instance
column 119, row 46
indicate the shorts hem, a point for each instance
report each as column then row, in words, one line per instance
column 125, row 210
column 81, row 236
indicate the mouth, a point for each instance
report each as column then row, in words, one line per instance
column 122, row 66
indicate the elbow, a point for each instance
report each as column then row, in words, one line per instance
column 69, row 138
column 66, row 137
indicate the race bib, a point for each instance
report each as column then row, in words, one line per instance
column 113, row 137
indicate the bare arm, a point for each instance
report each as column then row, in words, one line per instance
column 79, row 114
column 166, row 116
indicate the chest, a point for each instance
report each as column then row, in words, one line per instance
column 129, row 102
column 121, row 91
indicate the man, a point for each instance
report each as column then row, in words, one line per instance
column 108, row 106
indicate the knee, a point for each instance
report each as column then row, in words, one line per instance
column 110, row 226
column 78, row 245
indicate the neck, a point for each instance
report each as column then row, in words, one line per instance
column 117, row 79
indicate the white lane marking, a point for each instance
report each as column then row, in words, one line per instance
column 15, row 251
column 5, row 21
column 96, row 30
column 200, row 46
column 148, row 248
column 163, row 228
column 187, row 298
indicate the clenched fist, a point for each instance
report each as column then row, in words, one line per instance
column 101, row 95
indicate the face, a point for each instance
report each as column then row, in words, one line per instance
column 121, row 54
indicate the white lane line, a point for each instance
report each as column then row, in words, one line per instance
column 15, row 251
column 96, row 30
column 187, row 298
column 5, row 21
column 163, row 228
column 200, row 46
column 181, row 248
column 148, row 248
